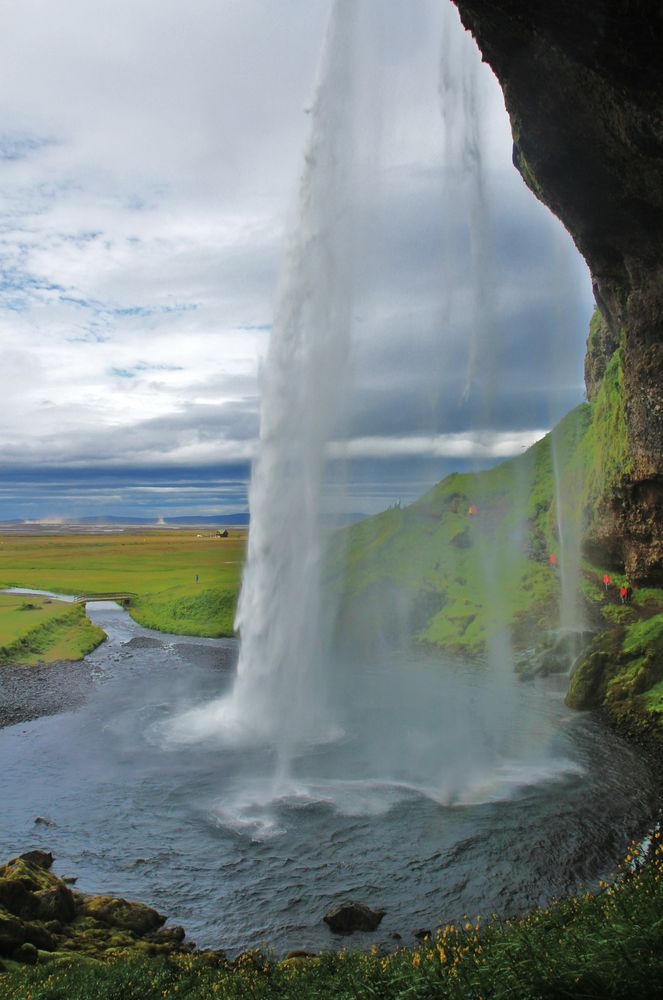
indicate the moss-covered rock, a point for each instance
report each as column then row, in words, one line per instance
column 38, row 911
column 122, row 913
column 622, row 666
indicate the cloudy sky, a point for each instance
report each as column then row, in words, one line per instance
column 149, row 158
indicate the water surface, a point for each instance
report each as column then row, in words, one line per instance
column 440, row 792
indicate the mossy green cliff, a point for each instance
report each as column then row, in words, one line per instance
column 469, row 564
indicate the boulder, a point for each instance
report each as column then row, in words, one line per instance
column 352, row 916
column 42, row 859
column 38, row 934
column 12, row 932
column 17, row 897
column 138, row 918
column 55, row 904
column 168, row 935
column 33, row 873
column 26, row 953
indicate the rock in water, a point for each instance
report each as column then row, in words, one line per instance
column 352, row 916
column 39, row 912
column 122, row 913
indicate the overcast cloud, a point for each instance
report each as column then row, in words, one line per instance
column 149, row 157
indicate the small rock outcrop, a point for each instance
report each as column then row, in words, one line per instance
column 555, row 654
column 135, row 917
column 352, row 916
column 40, row 913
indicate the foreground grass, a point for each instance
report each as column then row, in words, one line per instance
column 36, row 629
column 605, row 944
column 158, row 567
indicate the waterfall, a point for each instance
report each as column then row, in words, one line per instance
column 278, row 697
column 466, row 199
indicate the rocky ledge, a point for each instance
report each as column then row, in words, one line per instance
column 40, row 915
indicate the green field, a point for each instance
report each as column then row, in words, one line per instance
column 39, row 630
column 157, row 568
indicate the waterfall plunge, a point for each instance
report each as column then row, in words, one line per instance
column 278, row 697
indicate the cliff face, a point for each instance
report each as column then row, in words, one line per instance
column 583, row 86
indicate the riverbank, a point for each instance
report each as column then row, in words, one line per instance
column 603, row 944
column 30, row 692
column 37, row 629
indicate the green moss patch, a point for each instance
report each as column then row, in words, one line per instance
column 623, row 665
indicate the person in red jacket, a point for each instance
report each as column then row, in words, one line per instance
column 606, row 581
column 623, row 593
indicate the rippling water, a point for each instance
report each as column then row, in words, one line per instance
column 439, row 795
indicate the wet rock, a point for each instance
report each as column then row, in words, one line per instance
column 352, row 916
column 124, row 914
column 42, row 859
column 37, row 908
column 143, row 642
column 12, row 932
column 422, row 934
column 37, row 934
column 17, row 898
column 168, row 935
column 56, row 904
column 33, row 876
column 555, row 654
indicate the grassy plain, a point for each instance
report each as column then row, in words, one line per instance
column 157, row 568
column 39, row 630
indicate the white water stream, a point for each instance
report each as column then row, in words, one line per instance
column 278, row 696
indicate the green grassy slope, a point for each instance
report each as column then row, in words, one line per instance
column 446, row 575
column 36, row 629
column 471, row 558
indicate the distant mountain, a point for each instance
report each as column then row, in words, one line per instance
column 238, row 519
column 63, row 523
